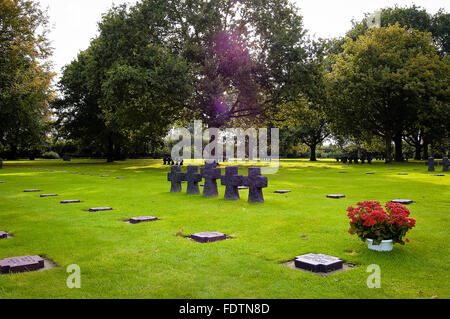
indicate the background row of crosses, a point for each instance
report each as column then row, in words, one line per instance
column 431, row 163
column 254, row 181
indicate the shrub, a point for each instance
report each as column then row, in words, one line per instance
column 50, row 155
column 370, row 220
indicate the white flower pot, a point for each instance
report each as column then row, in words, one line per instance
column 385, row 245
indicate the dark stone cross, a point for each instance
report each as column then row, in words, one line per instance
column 21, row 264
column 211, row 174
column 445, row 164
column 431, row 163
column 176, row 177
column 256, row 183
column 193, row 178
column 232, row 181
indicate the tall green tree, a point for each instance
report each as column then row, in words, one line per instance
column 383, row 82
column 25, row 76
column 413, row 17
column 128, row 85
column 305, row 115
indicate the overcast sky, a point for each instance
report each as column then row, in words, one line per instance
column 74, row 22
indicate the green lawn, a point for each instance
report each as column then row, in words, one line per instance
column 148, row 260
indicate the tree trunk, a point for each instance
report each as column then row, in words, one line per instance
column 388, row 140
column 418, row 151
column 425, row 150
column 313, row 153
column 110, row 154
column 398, row 141
column 13, row 152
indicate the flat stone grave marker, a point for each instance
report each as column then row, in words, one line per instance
column 100, row 209
column 282, row 192
column 318, row 263
column 343, row 172
column 402, row 174
column 402, row 201
column 208, row 237
column 439, row 175
column 121, row 177
column 49, row 195
column 73, row 172
column 21, row 264
column 31, row 190
column 3, row 235
column 336, row 196
column 143, row 219
column 105, row 176
column 70, row 201
column 2, row 182
column 371, row 173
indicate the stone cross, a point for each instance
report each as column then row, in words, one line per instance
column 1, row 163
column 176, row 177
column 256, row 183
column 232, row 181
column 445, row 164
column 211, row 174
column 431, row 163
column 193, row 178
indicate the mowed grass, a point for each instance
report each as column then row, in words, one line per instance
column 118, row 260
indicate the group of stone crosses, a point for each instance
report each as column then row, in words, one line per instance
column 431, row 163
column 170, row 161
column 211, row 173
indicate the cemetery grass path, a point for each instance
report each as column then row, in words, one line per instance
column 148, row 260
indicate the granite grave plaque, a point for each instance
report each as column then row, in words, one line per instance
column 143, row 219
column 21, row 264
column 318, row 263
column 208, row 237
